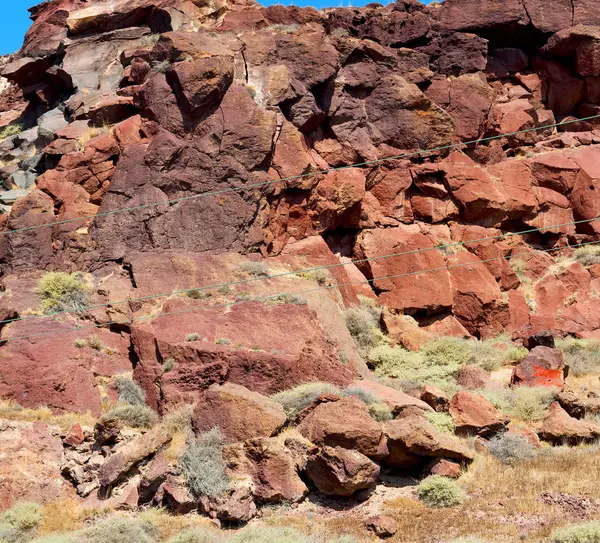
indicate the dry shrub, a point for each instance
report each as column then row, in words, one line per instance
column 296, row 399
column 588, row 532
column 59, row 291
column 136, row 416
column 438, row 491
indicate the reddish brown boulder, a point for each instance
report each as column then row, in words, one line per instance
column 341, row 472
column 543, row 367
column 345, row 423
column 382, row 526
column 397, row 400
column 177, row 497
column 239, row 413
column 473, row 414
column 472, row 377
column 560, row 429
column 31, row 467
column 578, row 405
column 413, row 442
column 406, row 291
column 75, row 436
column 235, row 506
column 435, row 398
column 443, row 467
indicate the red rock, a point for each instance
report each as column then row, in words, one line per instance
column 129, row 132
column 177, row 497
column 549, row 20
column 524, row 432
column 154, row 475
column 382, row 526
column 446, row 326
column 543, row 366
column 337, row 471
column 397, row 400
column 565, row 91
column 270, row 465
column 473, row 377
column 405, row 331
column 235, row 506
column 444, row 468
column 435, row 398
column 480, row 15
column 457, row 54
column 239, row 413
column 75, row 436
column 473, row 414
column 428, row 291
column 345, row 423
column 413, row 442
column 560, row 429
column 30, row 471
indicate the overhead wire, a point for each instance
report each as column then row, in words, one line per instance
column 201, row 288
column 282, row 294
column 296, row 177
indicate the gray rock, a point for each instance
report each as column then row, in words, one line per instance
column 50, row 123
column 31, row 163
column 11, row 196
column 23, row 179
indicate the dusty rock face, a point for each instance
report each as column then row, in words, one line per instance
column 473, row 414
column 559, row 428
column 31, row 467
column 543, row 366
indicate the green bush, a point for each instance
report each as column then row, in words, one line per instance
column 529, row 404
column 192, row 337
column 380, row 412
column 22, row 516
column 581, row 355
column 588, row 255
column 270, row 534
column 588, row 532
column 256, row 269
column 511, row 448
column 11, row 130
column 320, row 277
column 443, row 422
column 136, row 416
column 129, row 391
column 296, row 399
column 197, row 535
column 59, row 291
column 202, row 465
column 367, row 397
column 438, row 491
column 363, row 324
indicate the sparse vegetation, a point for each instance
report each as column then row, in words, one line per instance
column 296, row 399
column 285, row 299
column 380, row 412
column 23, row 517
column 511, row 448
column 197, row 536
column 443, row 422
column 588, row 532
column 198, row 294
column 11, row 130
column 363, row 324
column 59, row 291
column 202, row 465
column 192, row 337
column 129, row 391
column 223, row 341
column 168, row 365
column 587, row 255
column 80, row 343
column 256, row 269
column 136, row 416
column 320, row 276
column 367, row 397
column 581, row 355
column 95, row 343
column 528, row 404
column 438, row 491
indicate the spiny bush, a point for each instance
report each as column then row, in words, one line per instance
column 202, row 465
column 256, row 269
column 588, row 532
column 438, row 491
column 59, row 291
column 442, row 422
column 529, row 404
column 581, row 355
column 588, row 255
column 23, row 516
column 179, row 420
column 296, row 399
column 95, row 343
column 363, row 324
column 511, row 448
column 129, row 391
column 137, row 416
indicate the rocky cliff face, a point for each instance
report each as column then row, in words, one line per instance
column 168, row 145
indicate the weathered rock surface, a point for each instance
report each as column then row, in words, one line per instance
column 475, row 415
column 560, row 429
column 543, row 366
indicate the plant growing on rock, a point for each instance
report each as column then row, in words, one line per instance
column 528, row 404
column 136, row 416
column 363, row 324
column 256, row 269
column 588, row 532
column 11, row 130
column 588, row 255
column 202, row 465
column 192, row 337
column 438, row 491
column 129, row 391
column 442, row 422
column 296, row 399
column 59, row 291
column 381, row 412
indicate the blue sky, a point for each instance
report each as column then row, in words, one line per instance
column 15, row 18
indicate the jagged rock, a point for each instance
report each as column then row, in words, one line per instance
column 345, row 423
column 382, row 526
column 443, row 467
column 177, row 497
column 543, row 366
column 235, row 506
column 413, row 442
column 473, row 414
column 75, row 436
column 154, row 475
column 577, row 406
column 341, row 472
column 559, row 428
column 239, row 413
column 435, row 398
column 118, row 464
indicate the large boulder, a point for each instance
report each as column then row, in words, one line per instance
column 559, row 428
column 345, row 423
column 341, row 472
column 239, row 413
column 413, row 442
column 543, row 366
column 475, row 415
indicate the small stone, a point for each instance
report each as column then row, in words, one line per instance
column 382, row 526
